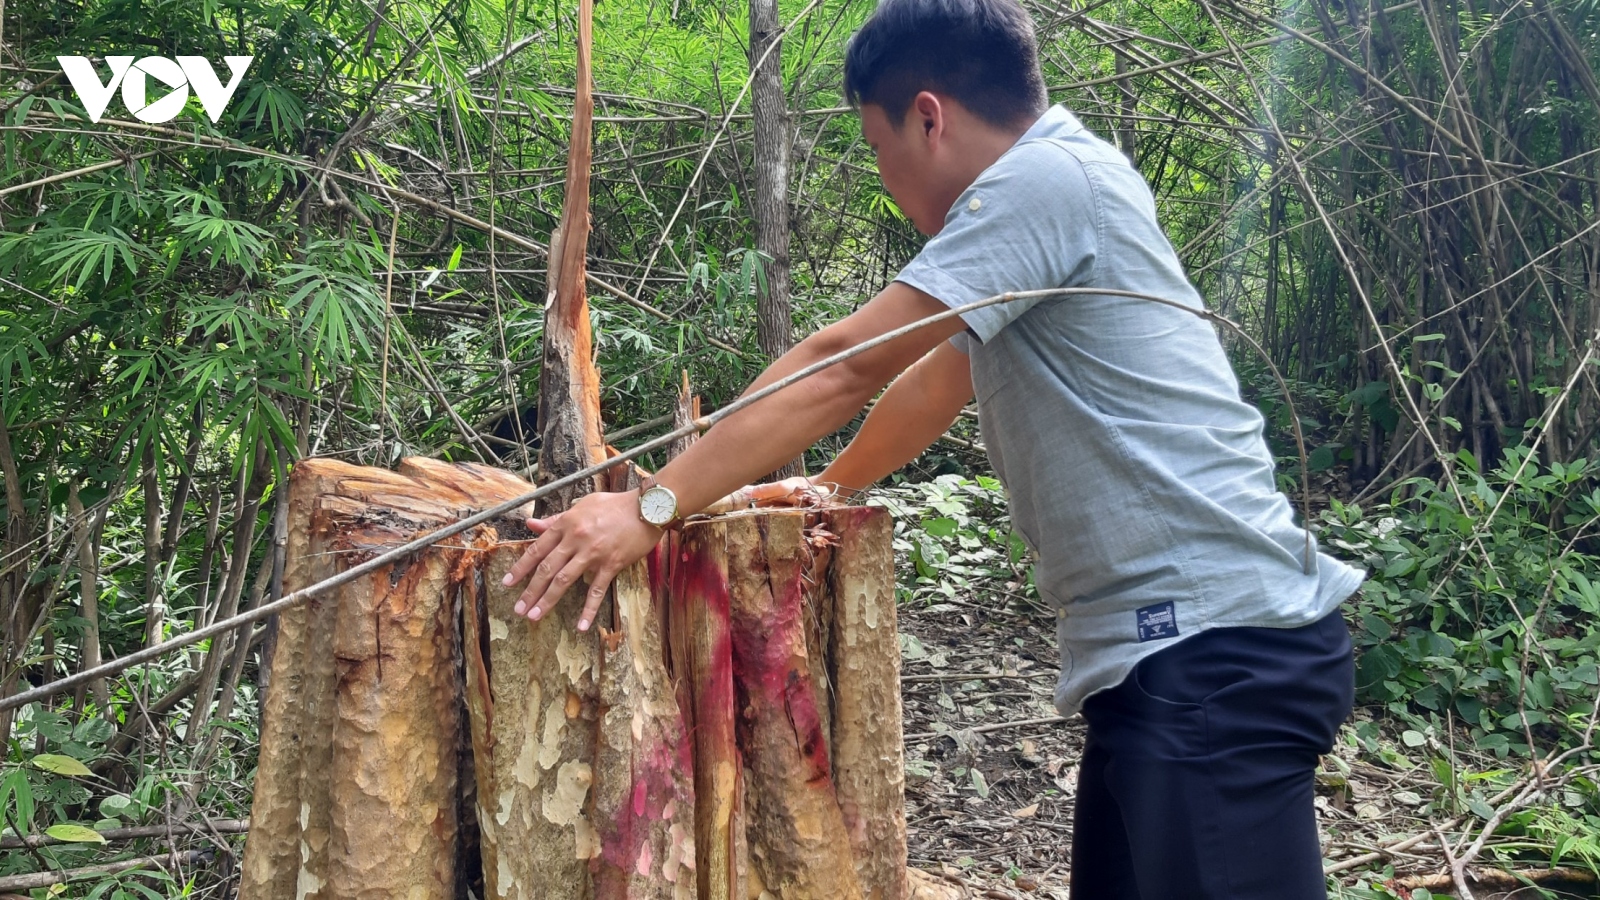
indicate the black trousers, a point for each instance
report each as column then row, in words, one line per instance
column 1196, row 781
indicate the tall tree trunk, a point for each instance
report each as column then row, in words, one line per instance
column 1127, row 134
column 774, row 324
column 155, row 606
column 16, row 611
column 88, row 539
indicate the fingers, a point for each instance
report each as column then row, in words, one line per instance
column 788, row 492
column 596, row 594
column 530, row 559
column 550, row 575
column 593, row 541
column 761, row 494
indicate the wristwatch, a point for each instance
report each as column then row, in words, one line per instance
column 658, row 505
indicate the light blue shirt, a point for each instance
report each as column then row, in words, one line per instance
column 1136, row 473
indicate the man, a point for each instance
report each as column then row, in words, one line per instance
column 1199, row 635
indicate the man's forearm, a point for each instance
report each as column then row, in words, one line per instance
column 910, row 416
column 760, row 438
column 755, row 441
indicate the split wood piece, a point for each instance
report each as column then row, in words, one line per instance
column 799, row 849
column 645, row 822
column 534, row 700
column 864, row 673
column 583, row 759
column 297, row 714
column 471, row 487
column 684, row 412
column 696, row 573
column 394, row 783
column 816, row 614
column 363, row 723
column 569, row 384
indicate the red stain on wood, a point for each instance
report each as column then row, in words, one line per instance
column 702, row 662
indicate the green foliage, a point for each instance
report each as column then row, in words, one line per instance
column 1481, row 610
column 56, row 794
column 957, row 535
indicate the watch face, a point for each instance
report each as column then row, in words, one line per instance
column 658, row 506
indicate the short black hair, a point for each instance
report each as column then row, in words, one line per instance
column 981, row 52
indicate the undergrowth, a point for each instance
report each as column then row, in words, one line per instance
column 1477, row 636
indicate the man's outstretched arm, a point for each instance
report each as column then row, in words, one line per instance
column 603, row 533
column 910, row 416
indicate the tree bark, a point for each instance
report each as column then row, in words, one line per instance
column 695, row 576
column 646, row 822
column 864, row 672
column 731, row 727
column 18, row 606
column 357, row 789
column 774, row 320
column 798, row 845
column 155, row 605
column 538, row 697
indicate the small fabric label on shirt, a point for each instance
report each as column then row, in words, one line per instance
column 1157, row 622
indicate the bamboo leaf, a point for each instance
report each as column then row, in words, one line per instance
column 77, row 834
column 62, row 765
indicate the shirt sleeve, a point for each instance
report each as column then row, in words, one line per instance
column 1029, row 222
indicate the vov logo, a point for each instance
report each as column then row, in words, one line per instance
column 181, row 75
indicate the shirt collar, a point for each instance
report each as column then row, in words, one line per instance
column 1057, row 120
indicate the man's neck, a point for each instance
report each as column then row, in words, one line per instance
column 982, row 144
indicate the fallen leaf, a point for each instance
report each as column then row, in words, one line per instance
column 1027, row 812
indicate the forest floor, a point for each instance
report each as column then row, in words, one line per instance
column 991, row 769
column 992, row 808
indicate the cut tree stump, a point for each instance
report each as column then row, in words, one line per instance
column 729, row 730
column 358, row 789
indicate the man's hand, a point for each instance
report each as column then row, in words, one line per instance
column 799, row 490
column 598, row 537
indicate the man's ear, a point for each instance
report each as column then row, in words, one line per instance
column 928, row 114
